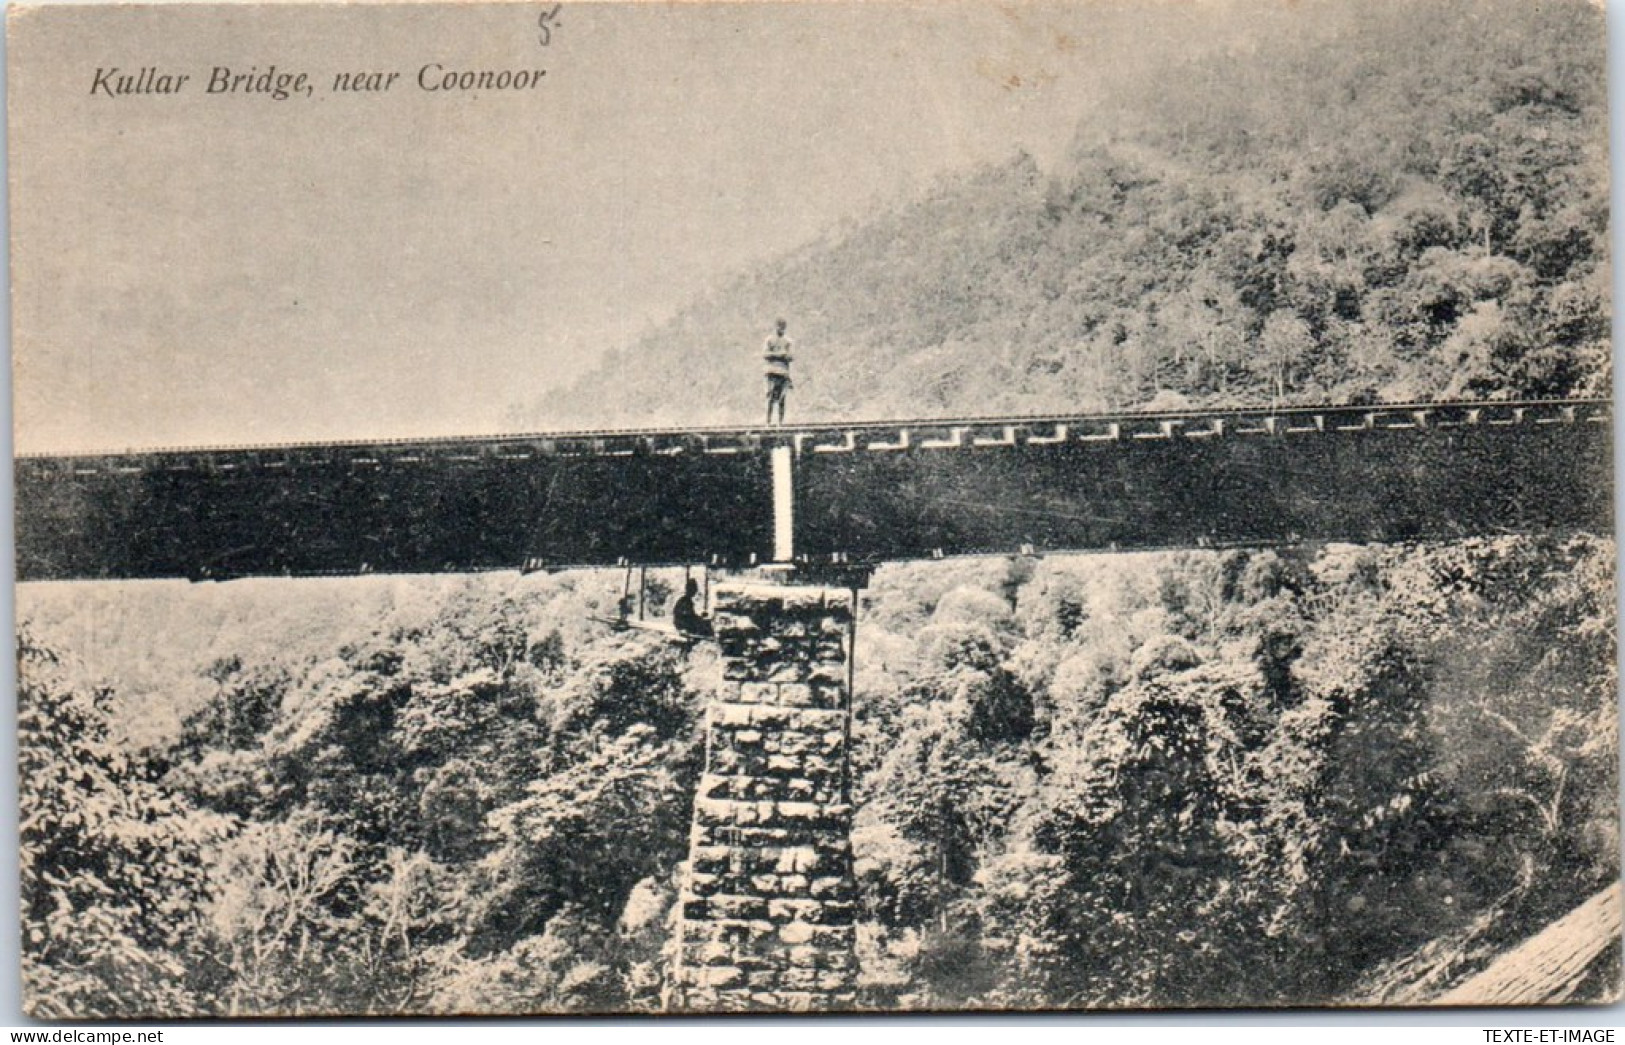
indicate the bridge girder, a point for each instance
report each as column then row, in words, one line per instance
column 863, row 492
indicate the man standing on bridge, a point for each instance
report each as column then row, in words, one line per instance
column 776, row 353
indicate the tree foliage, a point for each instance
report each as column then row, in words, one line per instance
column 1098, row 780
column 1410, row 206
column 1198, row 777
column 113, row 862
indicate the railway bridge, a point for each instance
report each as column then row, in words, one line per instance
column 818, row 494
column 766, row 907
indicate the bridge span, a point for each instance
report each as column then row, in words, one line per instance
column 861, row 492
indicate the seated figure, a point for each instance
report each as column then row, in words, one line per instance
column 685, row 617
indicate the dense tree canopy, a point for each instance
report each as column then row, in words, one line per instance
column 1089, row 780
column 1414, row 206
column 1250, row 777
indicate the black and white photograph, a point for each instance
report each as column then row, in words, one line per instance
column 812, row 506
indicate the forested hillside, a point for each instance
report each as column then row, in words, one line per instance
column 1289, row 776
column 1193, row 778
column 1414, row 206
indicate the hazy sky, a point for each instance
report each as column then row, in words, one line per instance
column 197, row 269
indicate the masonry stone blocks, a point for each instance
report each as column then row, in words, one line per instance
column 766, row 905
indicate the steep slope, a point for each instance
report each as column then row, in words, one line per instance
column 1413, row 206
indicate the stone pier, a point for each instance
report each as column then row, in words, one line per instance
column 765, row 913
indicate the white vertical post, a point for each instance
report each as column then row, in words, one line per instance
column 784, row 523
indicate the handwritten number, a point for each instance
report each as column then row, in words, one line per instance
column 545, row 22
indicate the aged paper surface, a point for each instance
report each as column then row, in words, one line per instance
column 1175, row 570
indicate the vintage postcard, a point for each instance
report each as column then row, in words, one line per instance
column 813, row 506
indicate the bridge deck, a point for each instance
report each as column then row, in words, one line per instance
column 864, row 491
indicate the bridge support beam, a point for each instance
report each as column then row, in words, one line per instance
column 765, row 911
column 784, row 504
